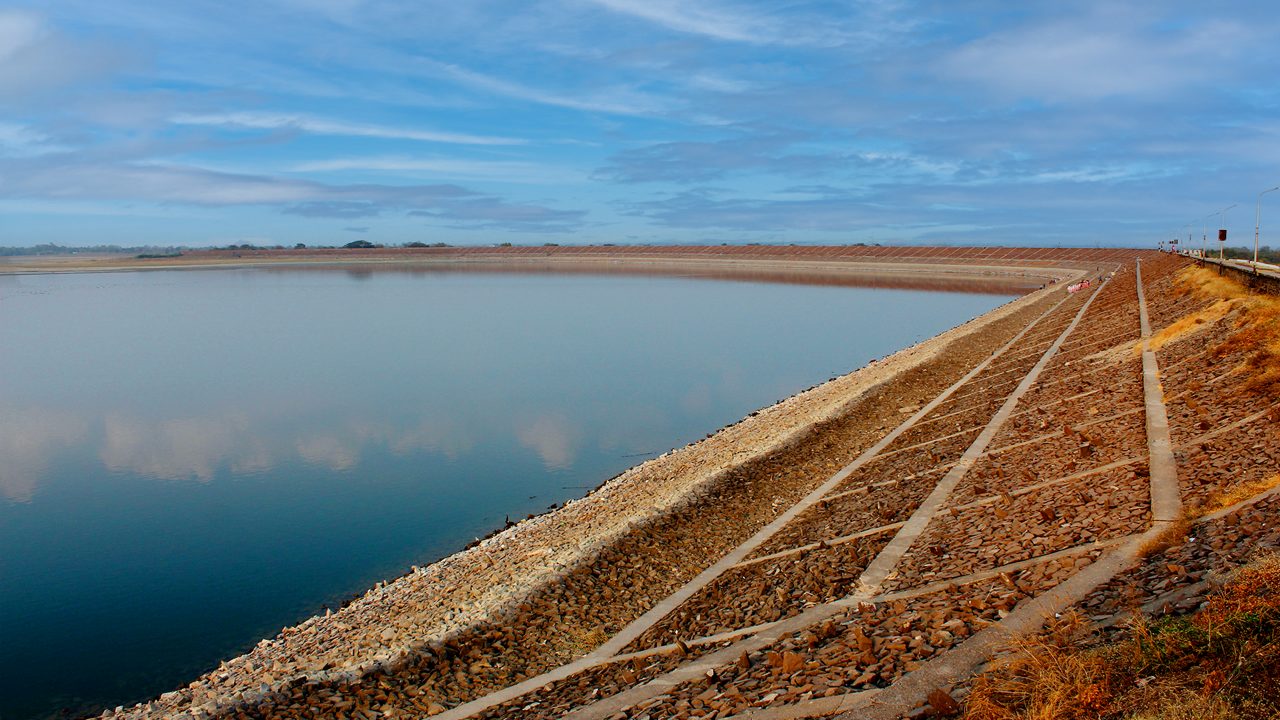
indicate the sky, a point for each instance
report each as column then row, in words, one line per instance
column 635, row 121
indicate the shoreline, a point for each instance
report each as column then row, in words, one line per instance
column 403, row 616
column 944, row 277
column 853, row 261
column 992, row 279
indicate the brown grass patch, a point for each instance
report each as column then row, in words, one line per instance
column 1188, row 325
column 1044, row 680
column 1204, row 282
column 1173, row 533
column 1233, row 494
column 1256, row 333
column 1222, row 663
column 583, row 640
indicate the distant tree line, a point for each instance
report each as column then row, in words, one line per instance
column 174, row 250
column 1265, row 254
column 160, row 251
column 52, row 249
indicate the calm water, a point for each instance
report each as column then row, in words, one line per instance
column 191, row 460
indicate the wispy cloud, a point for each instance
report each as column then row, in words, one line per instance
column 694, row 18
column 908, row 113
column 488, row 212
column 322, row 126
column 718, row 83
column 22, row 141
column 69, row 180
column 792, row 24
column 707, row 208
column 19, row 29
column 340, row 209
column 499, row 170
column 686, row 162
column 35, row 59
column 1113, row 54
column 616, row 101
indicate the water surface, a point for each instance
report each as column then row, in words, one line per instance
column 191, row 460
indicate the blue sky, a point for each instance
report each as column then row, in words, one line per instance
column 633, row 121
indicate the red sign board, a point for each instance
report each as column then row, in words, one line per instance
column 1222, row 235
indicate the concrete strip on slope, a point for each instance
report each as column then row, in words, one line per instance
column 1166, row 502
column 818, row 707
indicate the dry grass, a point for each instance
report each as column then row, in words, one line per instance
column 1222, row 663
column 1252, row 595
column 1233, row 494
column 581, row 641
column 1183, row 705
column 1256, row 333
column 1204, row 282
column 1188, row 325
column 1045, row 680
column 1173, row 533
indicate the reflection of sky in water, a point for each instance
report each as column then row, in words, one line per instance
column 189, row 461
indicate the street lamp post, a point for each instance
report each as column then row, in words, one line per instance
column 1257, row 224
column 1222, row 241
column 1204, row 234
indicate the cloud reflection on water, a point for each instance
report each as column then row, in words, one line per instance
column 182, row 448
column 553, row 438
column 199, row 448
column 29, row 439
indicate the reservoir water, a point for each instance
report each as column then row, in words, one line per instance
column 191, row 460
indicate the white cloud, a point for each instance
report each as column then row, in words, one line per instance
column 321, row 126
column 1099, row 173
column 617, row 102
column 504, row 171
column 693, row 18
column 34, row 58
column 1096, row 58
column 154, row 183
column 719, row 83
column 19, row 30
column 69, row 180
column 160, row 183
column 22, row 141
column 866, row 23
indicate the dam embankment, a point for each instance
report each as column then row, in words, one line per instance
column 570, row 579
